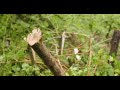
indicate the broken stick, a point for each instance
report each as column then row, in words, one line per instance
column 34, row 39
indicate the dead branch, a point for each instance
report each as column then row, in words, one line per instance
column 63, row 42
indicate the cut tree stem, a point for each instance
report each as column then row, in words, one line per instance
column 34, row 39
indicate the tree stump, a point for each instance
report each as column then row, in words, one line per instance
column 115, row 42
column 34, row 39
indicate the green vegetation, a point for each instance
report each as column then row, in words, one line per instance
column 92, row 59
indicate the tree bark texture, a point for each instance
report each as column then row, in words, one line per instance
column 115, row 42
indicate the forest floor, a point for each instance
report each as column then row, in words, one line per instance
column 80, row 41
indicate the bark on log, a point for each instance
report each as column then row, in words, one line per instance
column 115, row 42
column 34, row 39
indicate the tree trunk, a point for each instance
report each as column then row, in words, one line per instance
column 115, row 42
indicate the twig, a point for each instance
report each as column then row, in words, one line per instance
column 60, row 65
column 95, row 69
column 31, row 54
column 90, row 55
column 101, row 42
column 63, row 42
column 56, row 50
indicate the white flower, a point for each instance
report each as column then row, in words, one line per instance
column 76, row 50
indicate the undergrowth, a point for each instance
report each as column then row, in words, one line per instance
column 92, row 59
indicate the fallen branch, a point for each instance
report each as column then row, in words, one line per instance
column 34, row 39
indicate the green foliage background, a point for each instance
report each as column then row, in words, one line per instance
column 16, row 26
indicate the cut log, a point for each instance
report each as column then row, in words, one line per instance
column 34, row 39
